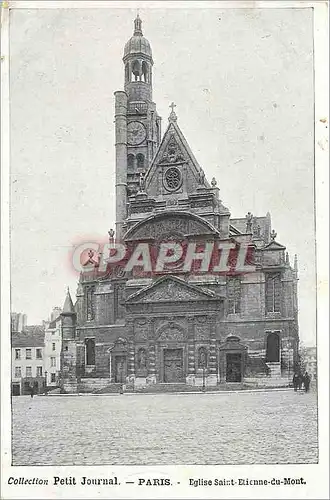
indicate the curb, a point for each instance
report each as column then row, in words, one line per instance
column 186, row 393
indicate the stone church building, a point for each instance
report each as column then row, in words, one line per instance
column 177, row 326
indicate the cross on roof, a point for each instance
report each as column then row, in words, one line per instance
column 172, row 106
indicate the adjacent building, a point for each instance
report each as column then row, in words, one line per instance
column 53, row 345
column 176, row 326
column 27, row 362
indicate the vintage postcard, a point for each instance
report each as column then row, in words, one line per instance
column 164, row 262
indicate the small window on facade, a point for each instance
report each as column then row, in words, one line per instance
column 234, row 295
column 17, row 354
column 90, row 351
column 28, row 371
column 28, row 354
column 53, row 346
column 66, row 348
column 38, row 353
column 39, row 371
column 273, row 292
column 18, row 371
column 140, row 161
column 52, row 361
column 53, row 377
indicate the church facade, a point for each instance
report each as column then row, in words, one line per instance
column 177, row 324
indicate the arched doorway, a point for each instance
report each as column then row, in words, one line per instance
column 273, row 348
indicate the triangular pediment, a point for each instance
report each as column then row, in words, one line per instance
column 174, row 151
column 171, row 289
column 273, row 245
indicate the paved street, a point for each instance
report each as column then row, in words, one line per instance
column 223, row 428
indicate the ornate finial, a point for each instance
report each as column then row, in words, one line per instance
column 172, row 117
column 138, row 26
column 213, row 182
column 249, row 218
column 111, row 234
column 67, row 289
column 273, row 235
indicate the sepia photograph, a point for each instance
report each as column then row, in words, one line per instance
column 162, row 224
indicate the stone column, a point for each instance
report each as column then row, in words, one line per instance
column 151, row 378
column 212, row 378
column 130, row 351
column 190, row 379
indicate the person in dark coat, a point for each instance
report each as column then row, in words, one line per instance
column 295, row 381
column 307, row 381
column 300, row 381
column 31, row 391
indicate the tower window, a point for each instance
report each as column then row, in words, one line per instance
column 140, row 161
column 90, row 303
column 130, row 161
column 127, row 72
column 145, row 73
column 136, row 70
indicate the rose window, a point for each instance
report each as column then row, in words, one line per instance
column 173, row 178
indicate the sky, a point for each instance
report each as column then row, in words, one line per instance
column 242, row 80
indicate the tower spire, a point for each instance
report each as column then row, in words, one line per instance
column 138, row 25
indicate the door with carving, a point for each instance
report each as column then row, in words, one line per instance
column 173, row 365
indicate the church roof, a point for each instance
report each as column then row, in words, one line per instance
column 68, row 307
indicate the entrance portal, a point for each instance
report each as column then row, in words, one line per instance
column 120, row 369
column 173, row 365
column 234, row 367
column 16, row 389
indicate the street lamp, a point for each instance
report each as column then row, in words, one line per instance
column 45, row 383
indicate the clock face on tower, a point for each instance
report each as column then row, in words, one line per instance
column 136, row 133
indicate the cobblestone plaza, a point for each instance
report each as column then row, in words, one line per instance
column 221, row 428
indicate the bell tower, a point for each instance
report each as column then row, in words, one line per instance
column 137, row 124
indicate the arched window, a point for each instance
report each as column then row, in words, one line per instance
column 136, row 70
column 140, row 161
column 130, row 161
column 273, row 348
column 141, row 358
column 145, row 73
column 273, row 292
column 127, row 72
column 90, row 351
column 202, row 357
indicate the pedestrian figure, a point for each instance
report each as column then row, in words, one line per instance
column 300, row 381
column 307, row 381
column 295, row 381
column 31, row 391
